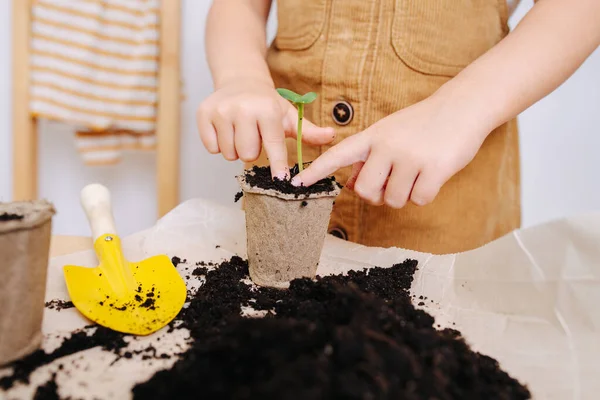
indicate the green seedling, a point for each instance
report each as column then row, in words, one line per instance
column 299, row 101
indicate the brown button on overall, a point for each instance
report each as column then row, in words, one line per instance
column 370, row 58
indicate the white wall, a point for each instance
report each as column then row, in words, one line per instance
column 559, row 143
column 132, row 183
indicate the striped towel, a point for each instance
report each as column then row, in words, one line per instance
column 94, row 65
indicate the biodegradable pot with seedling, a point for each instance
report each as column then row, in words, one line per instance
column 25, row 230
column 286, row 225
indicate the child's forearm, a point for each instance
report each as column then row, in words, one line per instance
column 236, row 40
column 543, row 51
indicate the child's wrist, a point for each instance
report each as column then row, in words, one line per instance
column 229, row 77
column 476, row 112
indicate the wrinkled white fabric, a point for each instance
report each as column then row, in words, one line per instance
column 529, row 299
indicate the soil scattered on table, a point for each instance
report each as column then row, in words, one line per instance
column 353, row 337
column 200, row 271
column 59, row 304
column 47, row 391
column 10, row 217
column 205, row 264
column 356, row 336
column 79, row 341
column 176, row 261
column 261, row 177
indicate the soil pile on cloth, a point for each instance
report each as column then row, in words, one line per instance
column 260, row 177
column 353, row 337
column 47, row 391
column 87, row 338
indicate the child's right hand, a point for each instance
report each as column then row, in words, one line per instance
column 240, row 117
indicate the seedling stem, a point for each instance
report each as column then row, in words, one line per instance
column 299, row 102
column 299, row 140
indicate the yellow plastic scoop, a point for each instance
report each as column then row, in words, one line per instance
column 130, row 297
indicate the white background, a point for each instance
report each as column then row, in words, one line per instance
column 559, row 138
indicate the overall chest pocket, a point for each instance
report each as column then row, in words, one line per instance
column 299, row 23
column 441, row 37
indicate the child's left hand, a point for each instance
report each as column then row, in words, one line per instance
column 406, row 156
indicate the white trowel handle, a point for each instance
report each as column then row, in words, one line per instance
column 96, row 203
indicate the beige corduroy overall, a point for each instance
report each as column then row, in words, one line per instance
column 367, row 59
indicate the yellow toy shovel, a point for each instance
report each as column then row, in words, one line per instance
column 138, row 298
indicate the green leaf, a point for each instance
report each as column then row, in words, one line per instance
column 308, row 98
column 296, row 98
column 289, row 95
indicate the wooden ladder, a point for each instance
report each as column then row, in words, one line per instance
column 25, row 139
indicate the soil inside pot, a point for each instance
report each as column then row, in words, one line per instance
column 260, row 177
column 10, row 217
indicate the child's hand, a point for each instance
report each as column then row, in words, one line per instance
column 406, row 156
column 241, row 116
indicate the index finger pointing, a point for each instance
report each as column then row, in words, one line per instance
column 347, row 152
column 273, row 138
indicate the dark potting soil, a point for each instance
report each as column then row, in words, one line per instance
column 146, row 298
column 10, row 217
column 261, row 177
column 78, row 341
column 47, row 391
column 357, row 336
column 352, row 337
column 238, row 196
column 176, row 261
column 200, row 271
column 59, row 304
